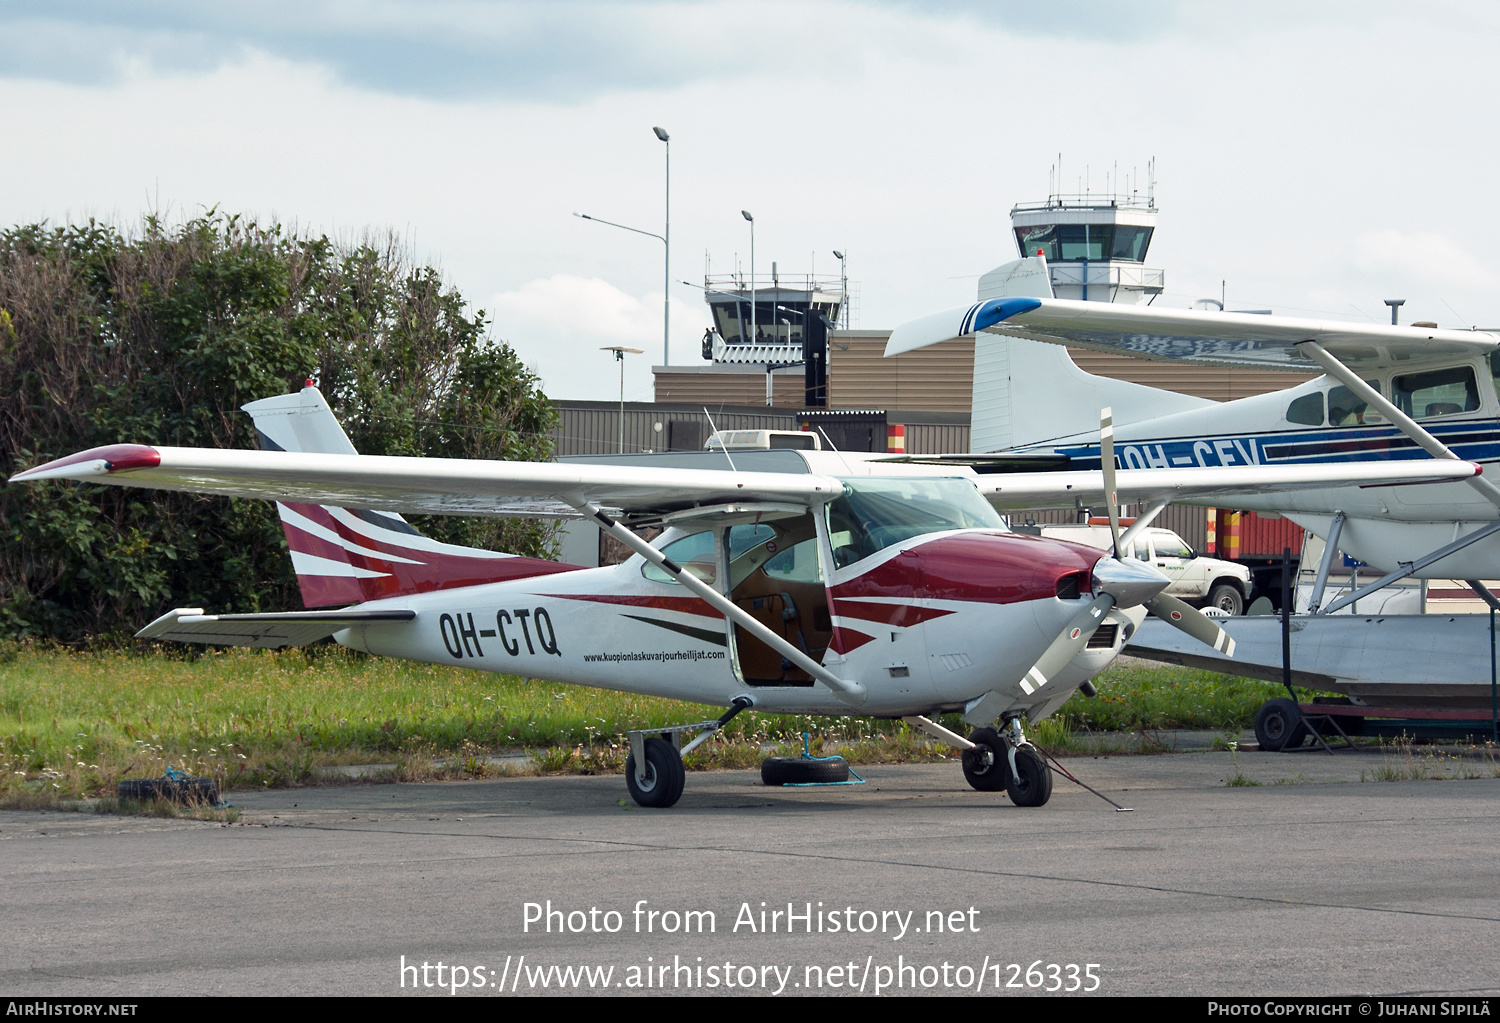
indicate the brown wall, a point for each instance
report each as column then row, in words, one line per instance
column 935, row 379
column 941, row 378
column 731, row 388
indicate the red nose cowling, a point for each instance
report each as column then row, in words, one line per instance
column 994, row 568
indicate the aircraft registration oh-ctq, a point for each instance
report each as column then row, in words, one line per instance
column 854, row 586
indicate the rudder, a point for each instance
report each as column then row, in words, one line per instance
column 349, row 555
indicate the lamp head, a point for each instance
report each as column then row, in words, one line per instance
column 837, row 254
column 747, row 216
column 661, row 133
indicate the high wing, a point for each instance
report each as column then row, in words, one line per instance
column 1009, row 491
column 1217, row 338
column 430, row 486
column 476, row 487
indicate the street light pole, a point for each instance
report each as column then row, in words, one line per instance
column 747, row 216
column 844, row 279
column 666, row 277
column 620, row 351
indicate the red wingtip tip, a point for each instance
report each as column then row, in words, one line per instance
column 116, row 457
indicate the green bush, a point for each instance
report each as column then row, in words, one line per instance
column 158, row 336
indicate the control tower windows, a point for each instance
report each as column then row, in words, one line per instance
column 1038, row 240
column 1306, row 410
column 1077, row 242
column 1440, row 392
column 1130, row 243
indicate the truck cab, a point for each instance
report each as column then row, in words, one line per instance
column 1199, row 580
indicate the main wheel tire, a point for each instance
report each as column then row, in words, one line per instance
column 802, row 771
column 665, row 775
column 1032, row 785
column 986, row 777
column 1279, row 725
column 1227, row 598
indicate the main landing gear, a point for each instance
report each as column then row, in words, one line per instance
column 653, row 772
column 1007, row 761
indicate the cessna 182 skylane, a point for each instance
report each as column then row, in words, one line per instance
column 845, row 586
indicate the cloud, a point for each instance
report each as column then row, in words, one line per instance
column 558, row 324
column 1423, row 256
column 557, row 51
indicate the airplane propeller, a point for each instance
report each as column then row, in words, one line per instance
column 1174, row 612
column 1120, row 583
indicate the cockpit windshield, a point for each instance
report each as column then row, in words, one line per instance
column 876, row 512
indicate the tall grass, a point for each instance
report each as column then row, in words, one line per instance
column 72, row 724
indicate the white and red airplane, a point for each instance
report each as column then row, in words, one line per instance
column 853, row 585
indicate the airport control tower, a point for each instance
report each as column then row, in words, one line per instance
column 1095, row 245
column 775, row 320
column 1093, row 249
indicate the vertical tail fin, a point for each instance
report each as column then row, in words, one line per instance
column 349, row 555
column 1027, row 392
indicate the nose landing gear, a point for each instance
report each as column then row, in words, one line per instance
column 995, row 759
column 1030, row 780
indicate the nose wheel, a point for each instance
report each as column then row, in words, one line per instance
column 1007, row 761
column 1031, row 782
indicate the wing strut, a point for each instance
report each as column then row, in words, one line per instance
column 846, row 690
column 1406, row 568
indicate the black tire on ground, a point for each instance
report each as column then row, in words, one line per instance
column 204, row 791
column 986, row 777
column 802, row 771
column 1227, row 598
column 1032, row 785
column 1279, row 725
column 665, row 775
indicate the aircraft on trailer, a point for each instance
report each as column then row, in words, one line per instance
column 1388, row 395
column 796, row 581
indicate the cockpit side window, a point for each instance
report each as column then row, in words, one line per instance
column 1438, row 392
column 695, row 553
column 1306, row 410
column 1345, row 408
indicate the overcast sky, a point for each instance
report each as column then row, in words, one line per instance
column 1319, row 157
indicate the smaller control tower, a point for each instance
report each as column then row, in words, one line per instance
column 780, row 320
column 1095, row 245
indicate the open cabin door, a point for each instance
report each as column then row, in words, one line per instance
column 776, row 577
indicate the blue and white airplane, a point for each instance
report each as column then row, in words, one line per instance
column 1386, row 393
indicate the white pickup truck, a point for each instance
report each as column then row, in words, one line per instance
column 1205, row 582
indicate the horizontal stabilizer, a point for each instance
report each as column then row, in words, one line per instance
column 272, row 631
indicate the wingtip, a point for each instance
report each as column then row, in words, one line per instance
column 100, row 461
